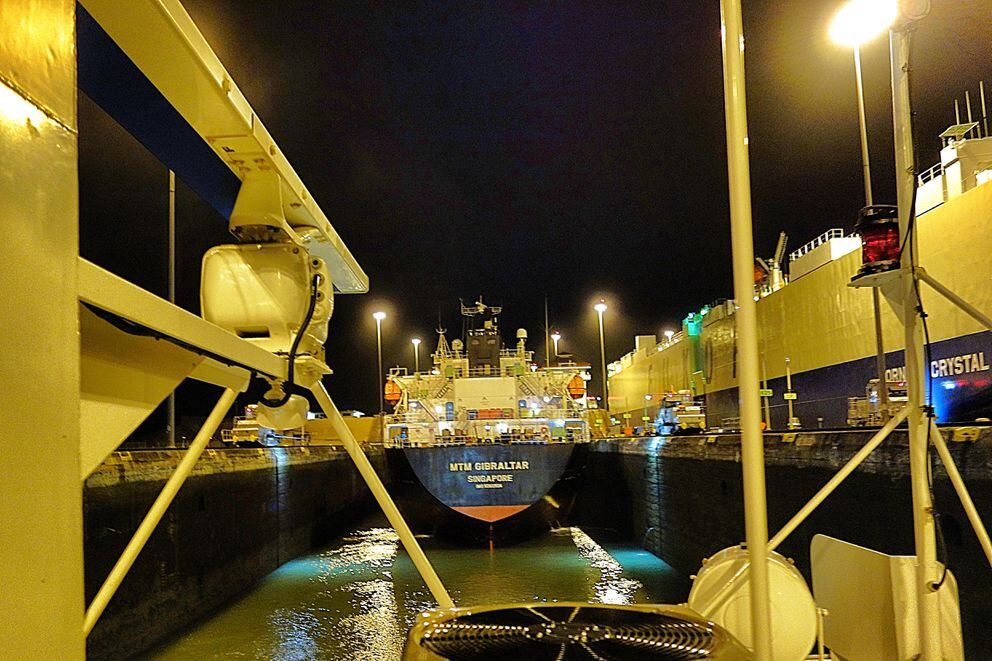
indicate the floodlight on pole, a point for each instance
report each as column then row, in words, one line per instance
column 837, row 30
column 555, row 336
column 860, row 21
column 600, row 308
column 669, row 334
column 416, row 354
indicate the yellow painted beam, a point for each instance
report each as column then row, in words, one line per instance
column 164, row 43
column 41, row 515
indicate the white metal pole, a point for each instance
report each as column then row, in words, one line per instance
column 962, row 490
column 382, row 496
column 883, row 390
column 862, row 125
column 765, row 400
column 966, row 307
column 547, row 336
column 788, row 389
column 837, row 479
column 927, row 570
column 752, row 442
column 171, row 422
column 380, row 385
column 416, row 357
column 157, row 510
column 602, row 360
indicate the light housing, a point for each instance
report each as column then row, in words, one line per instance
column 878, row 226
column 600, row 307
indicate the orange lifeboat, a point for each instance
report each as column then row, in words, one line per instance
column 576, row 387
column 392, row 392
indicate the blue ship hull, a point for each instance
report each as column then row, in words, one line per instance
column 488, row 490
column 960, row 384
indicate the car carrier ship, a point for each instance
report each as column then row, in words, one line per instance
column 489, row 434
column 817, row 338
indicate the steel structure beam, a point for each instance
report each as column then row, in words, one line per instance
column 159, row 38
column 41, row 509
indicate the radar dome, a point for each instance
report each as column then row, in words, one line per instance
column 521, row 333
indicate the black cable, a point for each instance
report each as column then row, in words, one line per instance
column 288, row 386
column 139, row 330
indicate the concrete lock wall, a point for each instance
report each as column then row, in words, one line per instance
column 681, row 498
column 241, row 514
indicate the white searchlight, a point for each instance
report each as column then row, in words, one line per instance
column 271, row 291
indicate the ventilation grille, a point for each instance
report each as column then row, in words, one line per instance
column 557, row 632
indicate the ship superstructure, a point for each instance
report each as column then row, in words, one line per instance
column 816, row 334
column 478, row 391
column 487, row 432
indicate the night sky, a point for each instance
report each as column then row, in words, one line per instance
column 573, row 150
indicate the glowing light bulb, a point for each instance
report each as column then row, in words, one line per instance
column 860, row 21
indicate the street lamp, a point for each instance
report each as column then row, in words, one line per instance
column 669, row 334
column 379, row 316
column 416, row 354
column 858, row 22
column 555, row 336
column 600, row 308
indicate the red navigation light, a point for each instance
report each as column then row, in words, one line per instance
column 879, row 229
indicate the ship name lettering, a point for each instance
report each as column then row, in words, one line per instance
column 502, row 465
column 487, row 479
column 967, row 363
column 964, row 364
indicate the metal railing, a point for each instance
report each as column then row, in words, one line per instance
column 835, row 233
column 930, row 174
column 540, row 416
column 571, row 435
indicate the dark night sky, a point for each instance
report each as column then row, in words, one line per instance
column 517, row 150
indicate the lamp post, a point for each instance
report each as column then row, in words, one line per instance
column 379, row 316
column 849, row 31
column 555, row 336
column 669, row 334
column 855, row 23
column 600, row 308
column 645, row 419
column 416, row 354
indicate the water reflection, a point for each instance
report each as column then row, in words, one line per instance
column 612, row 587
column 357, row 598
